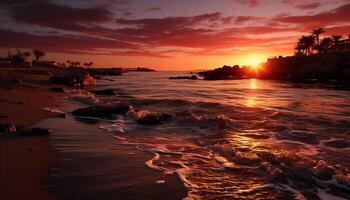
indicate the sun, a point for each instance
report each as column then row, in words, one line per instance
column 255, row 63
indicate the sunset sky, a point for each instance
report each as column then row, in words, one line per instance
column 166, row 34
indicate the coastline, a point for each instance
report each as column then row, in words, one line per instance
column 25, row 160
column 28, row 164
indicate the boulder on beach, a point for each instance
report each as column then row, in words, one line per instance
column 108, row 92
column 35, row 131
column 154, row 119
column 58, row 89
column 193, row 77
column 102, row 111
column 7, row 128
column 74, row 79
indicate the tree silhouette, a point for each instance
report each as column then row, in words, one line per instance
column 88, row 64
column 325, row 44
column 306, row 44
column 317, row 33
column 38, row 54
column 336, row 39
column 27, row 54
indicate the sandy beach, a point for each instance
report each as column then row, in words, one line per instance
column 24, row 160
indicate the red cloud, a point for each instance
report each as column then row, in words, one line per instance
column 153, row 9
column 249, row 3
column 307, row 6
column 340, row 14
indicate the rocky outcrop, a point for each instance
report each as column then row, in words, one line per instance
column 58, row 89
column 154, row 119
column 193, row 77
column 102, row 111
column 35, row 132
column 107, row 92
column 7, row 128
column 74, row 79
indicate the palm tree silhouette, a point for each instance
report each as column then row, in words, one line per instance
column 306, row 44
column 38, row 54
column 336, row 39
column 317, row 33
column 325, row 44
column 27, row 54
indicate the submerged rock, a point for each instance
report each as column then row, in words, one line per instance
column 102, row 111
column 154, row 119
column 108, row 92
column 74, row 79
column 193, row 77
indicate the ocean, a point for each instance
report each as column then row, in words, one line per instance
column 227, row 139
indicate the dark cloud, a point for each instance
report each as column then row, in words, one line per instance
column 58, row 43
column 46, row 13
column 153, row 9
column 340, row 14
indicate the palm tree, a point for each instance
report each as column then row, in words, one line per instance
column 42, row 54
column 27, row 54
column 38, row 54
column 88, row 64
column 317, row 33
column 326, row 44
column 306, row 44
column 336, row 39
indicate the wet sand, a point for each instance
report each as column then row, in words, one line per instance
column 93, row 165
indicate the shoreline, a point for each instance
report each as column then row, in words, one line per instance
column 28, row 164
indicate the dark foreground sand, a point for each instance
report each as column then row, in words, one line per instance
column 23, row 160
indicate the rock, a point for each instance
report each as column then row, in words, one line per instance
column 324, row 172
column 7, row 128
column 154, row 119
column 3, row 116
column 19, row 102
column 35, row 131
column 193, row 77
column 58, row 89
column 102, row 111
column 16, row 81
column 105, row 71
column 61, row 115
column 109, row 92
column 74, row 79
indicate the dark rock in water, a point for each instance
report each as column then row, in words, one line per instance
column 193, row 77
column 16, row 81
column 19, row 102
column 3, row 116
column 154, row 119
column 35, row 131
column 61, row 115
column 109, row 92
column 149, row 120
column 58, row 90
column 7, row 128
column 74, row 79
column 102, row 111
column 340, row 144
column 105, row 71
column 324, row 172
